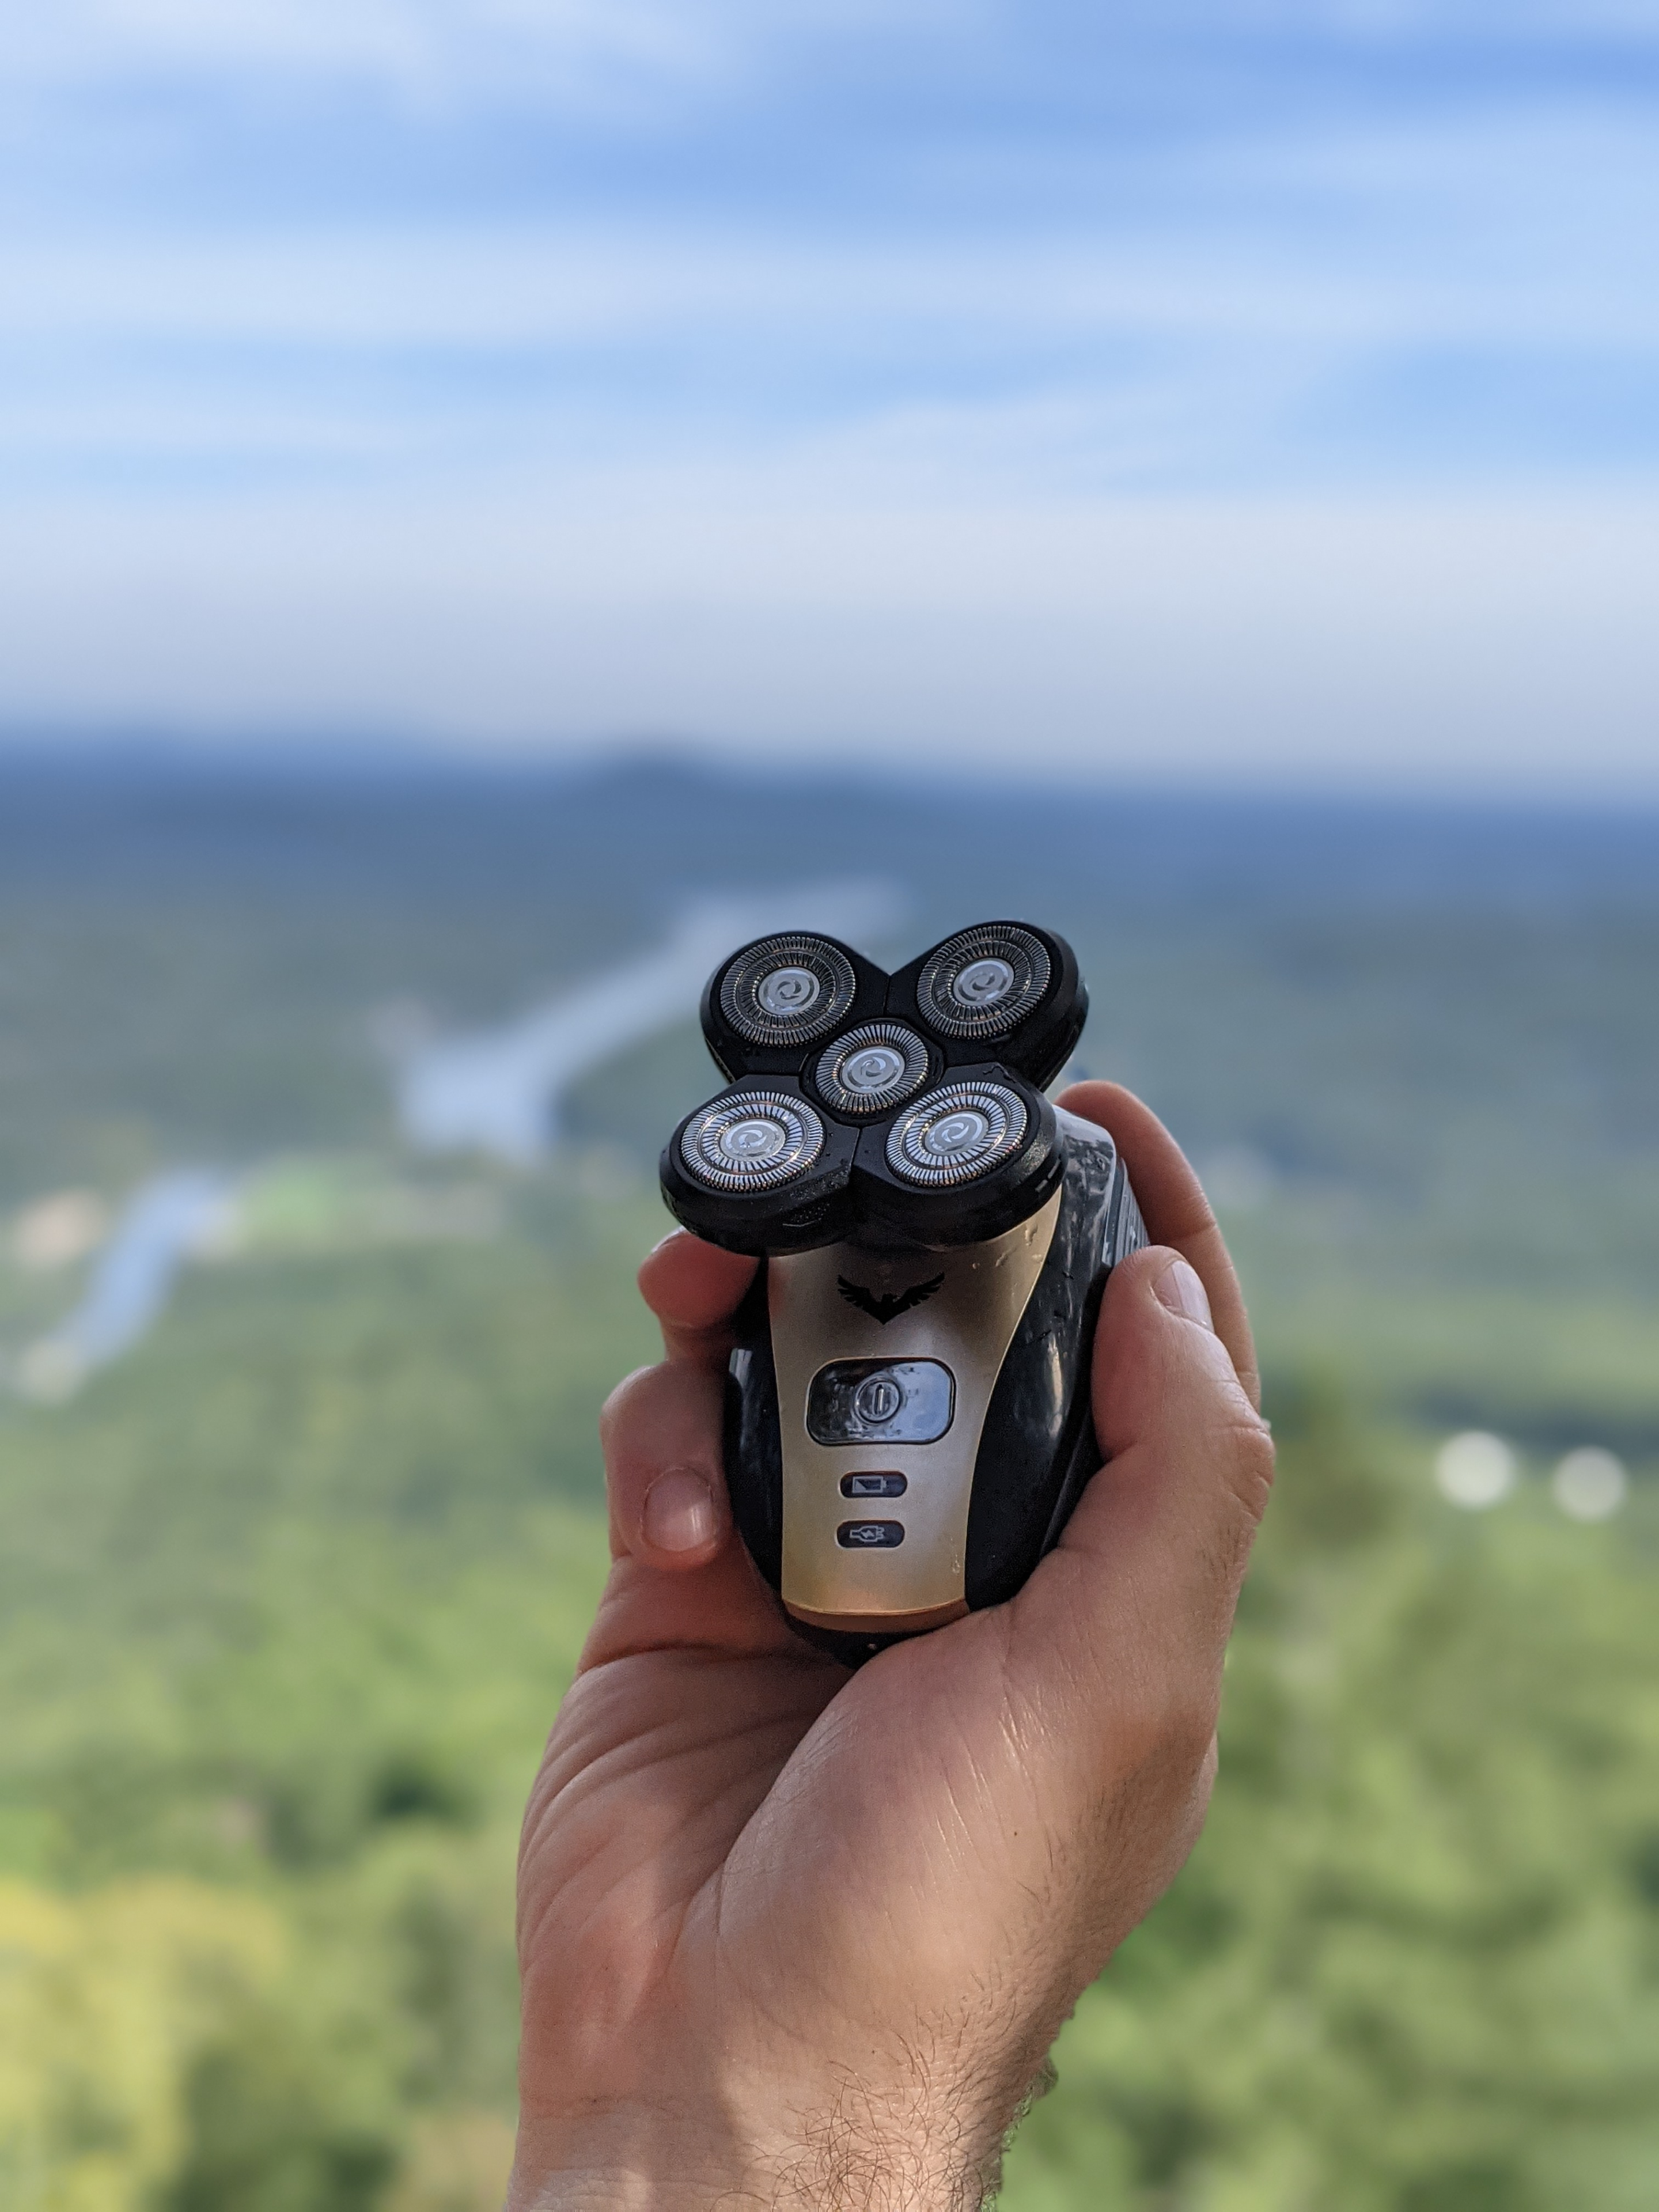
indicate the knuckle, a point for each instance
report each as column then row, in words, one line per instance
column 1134, row 1733
column 624, row 1399
column 1165, row 1726
column 1189, row 1727
column 1250, row 1465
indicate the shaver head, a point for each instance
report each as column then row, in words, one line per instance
column 760, row 1168
column 766, row 1007
column 1001, row 991
column 905, row 1108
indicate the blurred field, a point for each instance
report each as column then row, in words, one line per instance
column 288, row 1593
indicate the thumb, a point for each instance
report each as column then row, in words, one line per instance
column 1137, row 1599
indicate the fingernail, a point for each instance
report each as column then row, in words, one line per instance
column 1179, row 1288
column 680, row 1512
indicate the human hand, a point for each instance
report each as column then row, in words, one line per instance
column 793, row 1936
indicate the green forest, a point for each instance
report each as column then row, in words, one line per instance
column 289, row 1592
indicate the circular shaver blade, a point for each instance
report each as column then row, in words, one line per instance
column 787, row 990
column 753, row 1141
column 983, row 982
column 956, row 1133
column 872, row 1069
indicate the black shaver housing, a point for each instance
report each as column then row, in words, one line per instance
column 928, row 1224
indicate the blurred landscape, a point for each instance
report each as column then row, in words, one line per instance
column 329, row 1103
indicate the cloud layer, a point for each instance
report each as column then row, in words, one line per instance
column 734, row 294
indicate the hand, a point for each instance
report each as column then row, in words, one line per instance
column 793, row 1936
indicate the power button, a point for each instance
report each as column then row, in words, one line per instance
column 881, row 1401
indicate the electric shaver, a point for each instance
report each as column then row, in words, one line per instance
column 908, row 1420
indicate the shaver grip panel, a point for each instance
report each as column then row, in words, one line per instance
column 977, row 1509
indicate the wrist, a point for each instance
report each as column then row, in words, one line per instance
column 845, row 2157
column 631, row 2159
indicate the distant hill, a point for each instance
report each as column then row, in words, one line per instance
column 126, row 819
column 1411, row 1046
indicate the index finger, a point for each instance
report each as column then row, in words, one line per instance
column 695, row 1290
column 1174, row 1209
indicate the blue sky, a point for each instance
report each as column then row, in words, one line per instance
column 1260, row 391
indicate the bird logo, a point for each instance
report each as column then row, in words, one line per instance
column 887, row 1307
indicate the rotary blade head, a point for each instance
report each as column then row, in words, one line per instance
column 871, row 1069
column 970, row 1158
column 771, row 1006
column 956, row 1133
column 1005, row 991
column 758, row 1170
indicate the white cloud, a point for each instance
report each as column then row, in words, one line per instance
column 1428, row 23
column 428, row 55
column 953, row 362
column 440, row 53
column 1483, row 195
column 433, row 52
